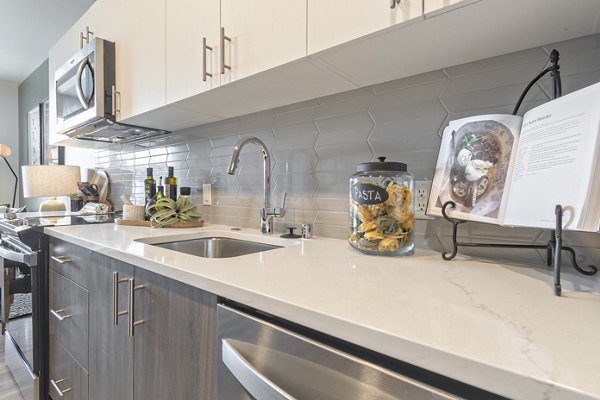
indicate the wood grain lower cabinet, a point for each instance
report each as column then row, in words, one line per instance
column 111, row 349
column 169, row 354
column 68, row 379
column 175, row 347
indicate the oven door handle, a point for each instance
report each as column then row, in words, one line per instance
column 249, row 377
column 30, row 259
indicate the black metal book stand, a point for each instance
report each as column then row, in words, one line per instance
column 554, row 248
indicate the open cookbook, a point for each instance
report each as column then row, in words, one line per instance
column 511, row 170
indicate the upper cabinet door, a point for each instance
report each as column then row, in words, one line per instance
column 333, row 22
column 192, row 47
column 138, row 29
column 263, row 34
column 441, row 6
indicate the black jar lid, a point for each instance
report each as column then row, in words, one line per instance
column 381, row 165
column 185, row 190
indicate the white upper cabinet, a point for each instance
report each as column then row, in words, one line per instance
column 262, row 34
column 333, row 22
column 434, row 7
column 138, row 29
column 192, row 47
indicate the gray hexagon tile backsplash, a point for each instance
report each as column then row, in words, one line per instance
column 317, row 144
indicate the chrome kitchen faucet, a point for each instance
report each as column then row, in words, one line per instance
column 266, row 213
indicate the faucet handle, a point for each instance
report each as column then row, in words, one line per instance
column 275, row 211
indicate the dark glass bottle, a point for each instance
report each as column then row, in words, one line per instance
column 157, row 196
column 171, row 184
column 149, row 186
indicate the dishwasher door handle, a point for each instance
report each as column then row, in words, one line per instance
column 249, row 377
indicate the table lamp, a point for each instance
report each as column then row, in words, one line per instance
column 5, row 151
column 51, row 181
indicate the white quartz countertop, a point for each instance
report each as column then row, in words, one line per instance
column 492, row 325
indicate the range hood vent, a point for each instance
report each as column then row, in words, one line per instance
column 107, row 131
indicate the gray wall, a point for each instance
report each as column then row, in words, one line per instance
column 317, row 144
column 9, row 135
column 32, row 91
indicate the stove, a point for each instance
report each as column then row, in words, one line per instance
column 24, row 262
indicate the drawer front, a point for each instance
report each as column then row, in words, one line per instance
column 68, row 317
column 70, row 260
column 68, row 380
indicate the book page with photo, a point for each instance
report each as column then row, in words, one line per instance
column 509, row 170
column 557, row 163
column 474, row 165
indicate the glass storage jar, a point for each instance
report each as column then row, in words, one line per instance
column 382, row 209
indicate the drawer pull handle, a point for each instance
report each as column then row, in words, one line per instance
column 61, row 392
column 57, row 314
column 116, row 312
column 61, row 259
column 132, row 322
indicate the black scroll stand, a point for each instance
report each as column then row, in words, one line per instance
column 554, row 248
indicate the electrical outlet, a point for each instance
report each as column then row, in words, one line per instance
column 206, row 194
column 422, row 189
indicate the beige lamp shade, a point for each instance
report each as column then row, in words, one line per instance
column 5, row 151
column 50, row 180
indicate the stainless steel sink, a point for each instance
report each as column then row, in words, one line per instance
column 216, row 247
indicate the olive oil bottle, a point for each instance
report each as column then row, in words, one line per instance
column 149, row 186
column 157, row 196
column 171, row 184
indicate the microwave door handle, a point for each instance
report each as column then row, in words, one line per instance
column 258, row 385
column 80, row 95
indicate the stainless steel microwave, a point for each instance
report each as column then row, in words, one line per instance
column 86, row 98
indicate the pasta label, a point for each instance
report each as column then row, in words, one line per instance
column 367, row 193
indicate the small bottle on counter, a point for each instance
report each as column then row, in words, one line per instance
column 157, row 196
column 149, row 186
column 171, row 184
column 186, row 192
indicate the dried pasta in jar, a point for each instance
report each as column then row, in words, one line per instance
column 381, row 215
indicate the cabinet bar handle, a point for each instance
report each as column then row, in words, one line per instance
column 132, row 289
column 57, row 314
column 86, row 36
column 113, row 100
column 223, row 39
column 61, row 259
column 61, row 392
column 114, row 107
column 116, row 312
column 204, row 48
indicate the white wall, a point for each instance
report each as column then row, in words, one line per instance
column 9, row 134
column 82, row 157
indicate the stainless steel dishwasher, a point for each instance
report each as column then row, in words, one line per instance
column 262, row 361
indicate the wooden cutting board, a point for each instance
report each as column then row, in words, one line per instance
column 180, row 224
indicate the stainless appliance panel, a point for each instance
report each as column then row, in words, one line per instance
column 83, row 86
column 26, row 379
column 262, row 361
column 85, row 105
column 19, row 284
